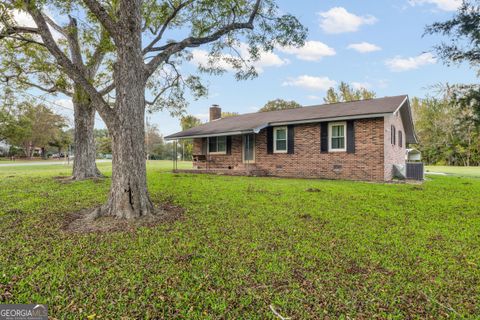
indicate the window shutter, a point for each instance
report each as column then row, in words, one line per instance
column 291, row 139
column 204, row 146
column 324, row 137
column 350, row 136
column 229, row 145
column 270, row 140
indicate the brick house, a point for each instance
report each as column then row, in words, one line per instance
column 359, row 140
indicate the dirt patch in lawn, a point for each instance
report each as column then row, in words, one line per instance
column 70, row 179
column 83, row 222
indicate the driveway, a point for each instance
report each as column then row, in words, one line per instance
column 40, row 163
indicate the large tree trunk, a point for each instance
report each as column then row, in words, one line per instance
column 84, row 166
column 129, row 196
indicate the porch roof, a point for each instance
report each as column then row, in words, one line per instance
column 254, row 122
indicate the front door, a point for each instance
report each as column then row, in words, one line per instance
column 249, row 148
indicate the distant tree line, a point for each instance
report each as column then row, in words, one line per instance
column 32, row 129
column 447, row 130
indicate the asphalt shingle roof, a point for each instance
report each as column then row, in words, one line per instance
column 251, row 121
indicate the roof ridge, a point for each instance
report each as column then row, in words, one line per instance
column 312, row 106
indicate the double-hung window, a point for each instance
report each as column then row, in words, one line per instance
column 217, row 145
column 280, row 140
column 337, row 136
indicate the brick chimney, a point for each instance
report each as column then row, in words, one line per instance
column 215, row 112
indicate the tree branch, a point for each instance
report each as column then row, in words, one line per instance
column 175, row 47
column 98, row 55
column 55, row 26
column 11, row 30
column 190, row 42
column 174, row 82
column 165, row 25
column 74, row 46
column 107, row 89
column 102, row 15
column 68, row 66
column 53, row 89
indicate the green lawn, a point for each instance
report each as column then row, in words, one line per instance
column 308, row 248
column 456, row 171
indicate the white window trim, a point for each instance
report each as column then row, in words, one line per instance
column 219, row 152
column 330, row 125
column 275, row 129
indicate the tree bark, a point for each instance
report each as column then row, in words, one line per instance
column 129, row 197
column 84, row 166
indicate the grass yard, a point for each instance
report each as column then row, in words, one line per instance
column 456, row 171
column 306, row 248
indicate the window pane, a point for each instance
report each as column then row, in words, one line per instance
column 281, row 145
column 338, row 143
column 222, row 144
column 281, row 134
column 337, row 131
column 212, row 144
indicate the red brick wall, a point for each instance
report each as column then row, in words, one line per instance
column 220, row 161
column 394, row 154
column 367, row 163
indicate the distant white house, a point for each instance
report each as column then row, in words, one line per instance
column 4, row 147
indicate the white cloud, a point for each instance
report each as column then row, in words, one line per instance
column 361, row 85
column 399, row 64
column 202, row 116
column 382, row 83
column 267, row 59
column 310, row 82
column 445, row 5
column 313, row 97
column 311, row 51
column 364, row 47
column 66, row 103
column 24, row 19
column 339, row 20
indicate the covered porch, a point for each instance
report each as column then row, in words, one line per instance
column 223, row 154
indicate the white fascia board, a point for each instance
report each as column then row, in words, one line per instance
column 233, row 133
column 401, row 104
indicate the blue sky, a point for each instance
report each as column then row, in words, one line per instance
column 371, row 43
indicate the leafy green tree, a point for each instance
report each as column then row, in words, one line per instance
column 27, row 64
column 226, row 114
column 447, row 132
column 153, row 138
column 279, row 104
column 345, row 93
column 103, row 141
column 186, row 123
column 189, row 121
column 463, row 46
column 62, row 140
column 32, row 126
column 221, row 25
column 104, row 145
